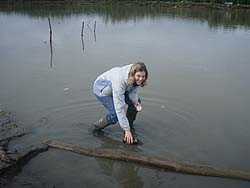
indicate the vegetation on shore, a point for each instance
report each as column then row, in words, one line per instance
column 217, row 16
column 226, row 3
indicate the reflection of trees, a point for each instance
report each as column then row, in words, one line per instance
column 126, row 174
column 120, row 12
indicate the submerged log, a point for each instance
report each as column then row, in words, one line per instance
column 12, row 160
column 7, row 139
column 165, row 164
column 17, row 160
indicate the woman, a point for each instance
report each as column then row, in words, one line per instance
column 117, row 90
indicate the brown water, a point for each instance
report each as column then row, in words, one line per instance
column 195, row 107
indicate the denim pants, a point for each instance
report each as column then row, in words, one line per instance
column 111, row 117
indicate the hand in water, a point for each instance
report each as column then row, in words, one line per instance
column 138, row 107
column 128, row 137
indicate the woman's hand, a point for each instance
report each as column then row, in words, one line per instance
column 128, row 137
column 138, row 107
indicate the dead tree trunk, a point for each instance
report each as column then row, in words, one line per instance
column 165, row 164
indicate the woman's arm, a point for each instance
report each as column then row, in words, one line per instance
column 133, row 95
column 118, row 90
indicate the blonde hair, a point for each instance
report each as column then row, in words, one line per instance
column 137, row 67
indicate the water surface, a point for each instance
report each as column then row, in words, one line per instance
column 195, row 107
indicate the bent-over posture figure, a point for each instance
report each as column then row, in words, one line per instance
column 117, row 90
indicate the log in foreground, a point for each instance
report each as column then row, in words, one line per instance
column 165, row 164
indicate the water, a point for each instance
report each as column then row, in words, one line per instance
column 195, row 107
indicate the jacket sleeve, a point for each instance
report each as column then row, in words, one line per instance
column 118, row 90
column 133, row 95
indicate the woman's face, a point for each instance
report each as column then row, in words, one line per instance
column 140, row 77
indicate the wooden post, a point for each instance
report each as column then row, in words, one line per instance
column 50, row 30
column 82, row 28
column 50, row 42
column 82, row 36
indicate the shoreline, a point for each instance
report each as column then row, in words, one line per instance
column 12, row 159
column 160, row 4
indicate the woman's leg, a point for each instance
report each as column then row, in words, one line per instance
column 111, row 117
column 131, row 111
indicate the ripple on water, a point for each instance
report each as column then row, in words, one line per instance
column 165, row 124
column 67, row 120
column 162, row 121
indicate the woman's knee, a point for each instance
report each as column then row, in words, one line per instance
column 112, row 118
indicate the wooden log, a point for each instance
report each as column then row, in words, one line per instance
column 165, row 164
column 20, row 159
column 13, row 136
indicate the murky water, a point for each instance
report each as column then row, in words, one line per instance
column 195, row 107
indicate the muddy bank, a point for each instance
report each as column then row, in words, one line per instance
column 12, row 160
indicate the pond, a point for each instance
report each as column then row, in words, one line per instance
column 195, row 107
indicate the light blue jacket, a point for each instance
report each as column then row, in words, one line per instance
column 114, row 83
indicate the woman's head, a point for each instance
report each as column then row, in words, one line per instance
column 138, row 74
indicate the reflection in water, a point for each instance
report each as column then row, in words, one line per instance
column 51, row 55
column 89, row 28
column 82, row 44
column 94, row 31
column 82, row 36
column 126, row 174
column 50, row 43
column 119, row 12
column 185, row 111
column 95, row 36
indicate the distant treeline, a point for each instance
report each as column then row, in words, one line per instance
column 226, row 2
column 229, row 2
column 120, row 12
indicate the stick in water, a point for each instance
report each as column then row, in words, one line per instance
column 165, row 164
column 94, row 26
column 50, row 42
column 82, row 28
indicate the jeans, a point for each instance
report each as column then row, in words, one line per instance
column 111, row 117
